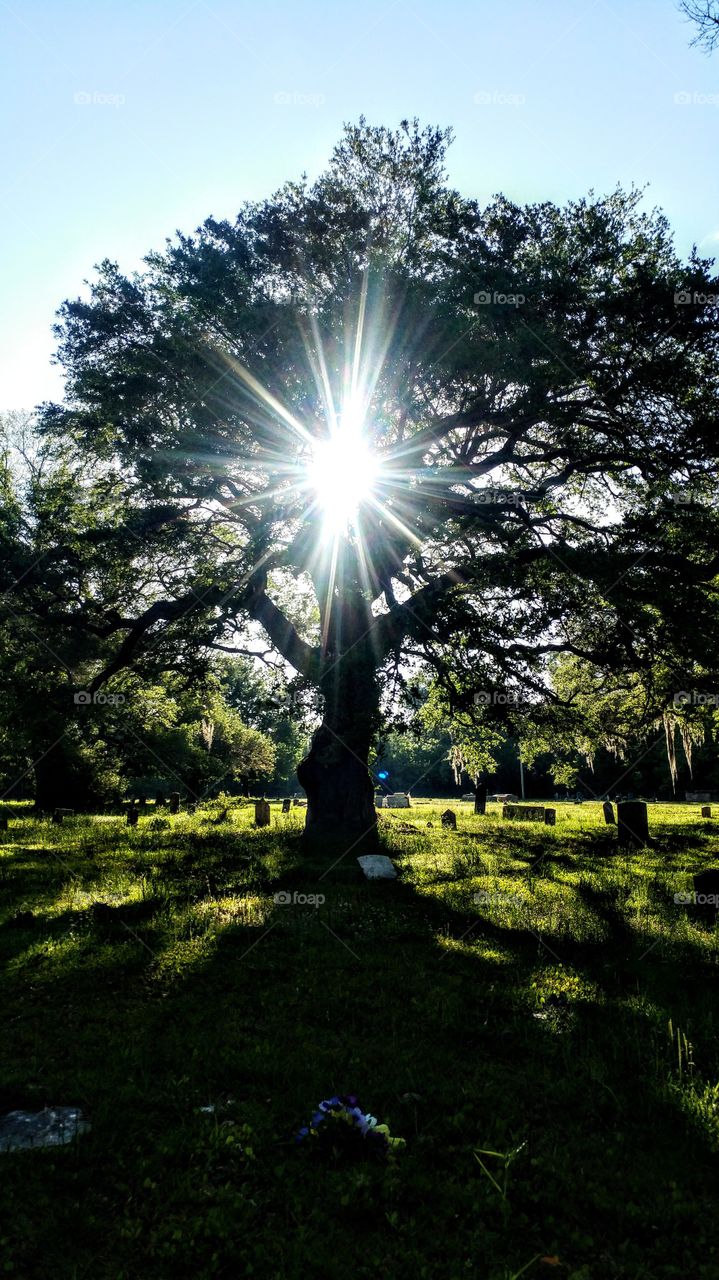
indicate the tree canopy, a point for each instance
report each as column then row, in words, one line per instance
column 532, row 389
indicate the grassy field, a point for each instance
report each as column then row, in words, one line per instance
column 522, row 991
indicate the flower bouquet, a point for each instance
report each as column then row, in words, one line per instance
column 340, row 1127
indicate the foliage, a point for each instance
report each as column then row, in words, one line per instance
column 538, row 384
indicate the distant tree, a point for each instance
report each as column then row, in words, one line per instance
column 532, row 386
column 705, row 16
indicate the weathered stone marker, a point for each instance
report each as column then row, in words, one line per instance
column 159, row 800
column 632, row 823
column 449, row 819
column 706, row 883
column 706, row 811
column 397, row 801
column 376, row 866
column 174, row 802
column 59, row 814
column 608, row 811
column 286, row 804
column 550, row 817
column 262, row 813
column 480, row 798
column 132, row 816
column 525, row 812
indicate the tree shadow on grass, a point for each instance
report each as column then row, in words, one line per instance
column 462, row 1031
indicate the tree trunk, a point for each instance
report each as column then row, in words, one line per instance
column 341, row 815
column 58, row 780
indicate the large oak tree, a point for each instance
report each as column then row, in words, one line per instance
column 536, row 389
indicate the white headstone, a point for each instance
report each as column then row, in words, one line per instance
column 377, row 866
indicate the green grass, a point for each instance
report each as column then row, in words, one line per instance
column 548, row 1051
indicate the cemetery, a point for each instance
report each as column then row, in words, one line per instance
column 359, row 641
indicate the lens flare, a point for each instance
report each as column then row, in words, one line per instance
column 342, row 473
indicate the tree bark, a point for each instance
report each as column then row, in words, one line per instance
column 341, row 815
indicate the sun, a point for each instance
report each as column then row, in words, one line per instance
column 342, row 472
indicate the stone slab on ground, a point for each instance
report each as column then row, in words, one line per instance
column 398, row 800
column 377, row 866
column 53, row 1127
column 525, row 812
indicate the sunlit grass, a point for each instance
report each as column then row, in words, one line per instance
column 514, row 986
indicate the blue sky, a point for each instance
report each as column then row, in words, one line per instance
column 123, row 120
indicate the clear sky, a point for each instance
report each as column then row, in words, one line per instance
column 123, row 120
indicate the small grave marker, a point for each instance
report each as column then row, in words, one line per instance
column 449, row 819
column 706, row 811
column 480, row 798
column 632, row 823
column 286, row 804
column 59, row 814
column 397, row 801
column 377, row 866
column 132, row 816
column 550, row 817
column 174, row 802
column 525, row 812
column 608, row 811
column 262, row 813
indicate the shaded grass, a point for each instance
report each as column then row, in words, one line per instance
column 518, row 990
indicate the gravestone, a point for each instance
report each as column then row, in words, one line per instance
column 380, row 802
column 286, row 804
column 449, row 819
column 132, row 816
column 697, row 797
column 706, row 811
column 159, row 800
column 505, row 797
column 59, row 814
column 632, row 824
column 174, row 802
column 550, row 817
column 706, row 883
column 397, row 801
column 524, row 812
column 608, row 811
column 468, row 796
column 376, row 866
column 262, row 813
column 480, row 798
